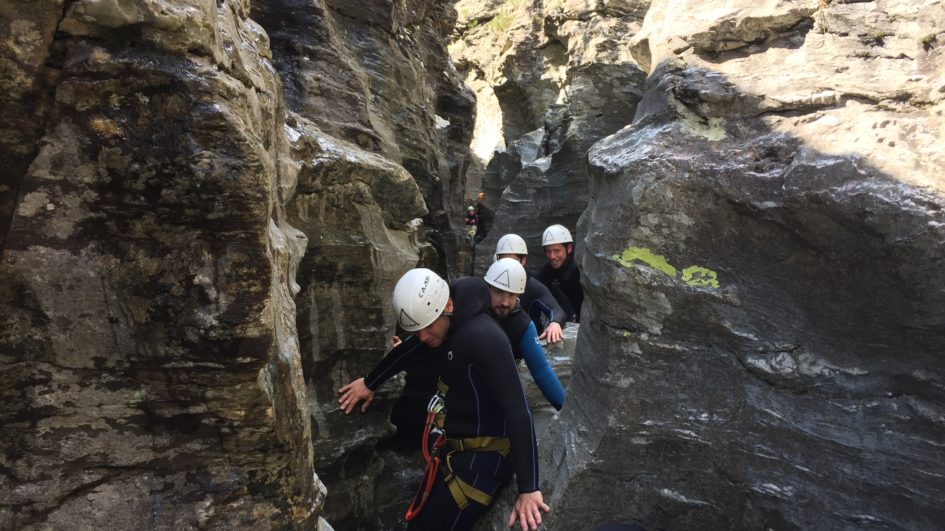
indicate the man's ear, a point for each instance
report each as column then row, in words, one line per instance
column 523, row 259
column 570, row 248
column 449, row 306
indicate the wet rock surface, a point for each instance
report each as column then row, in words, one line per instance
column 151, row 376
column 761, row 346
column 376, row 74
column 381, row 125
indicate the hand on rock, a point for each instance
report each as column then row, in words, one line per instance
column 353, row 393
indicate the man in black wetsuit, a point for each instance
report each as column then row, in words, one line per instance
column 561, row 274
column 486, row 217
column 536, row 300
column 488, row 425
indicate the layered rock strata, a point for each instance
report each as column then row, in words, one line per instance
column 151, row 375
column 762, row 257
column 381, row 126
column 376, row 74
column 361, row 214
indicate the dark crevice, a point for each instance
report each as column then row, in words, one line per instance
column 38, row 518
column 791, row 38
column 804, row 109
column 18, row 166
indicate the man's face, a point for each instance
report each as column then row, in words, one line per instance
column 556, row 254
column 480, row 196
column 434, row 334
column 503, row 302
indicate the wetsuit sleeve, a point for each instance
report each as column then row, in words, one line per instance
column 544, row 301
column 497, row 365
column 541, row 370
column 395, row 361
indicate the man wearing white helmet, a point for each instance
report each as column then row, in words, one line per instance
column 561, row 274
column 489, row 432
column 536, row 300
column 507, row 280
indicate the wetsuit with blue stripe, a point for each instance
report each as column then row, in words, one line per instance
column 485, row 399
column 540, row 305
column 525, row 345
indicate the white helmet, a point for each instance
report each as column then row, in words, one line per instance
column 419, row 298
column 556, row 234
column 510, row 244
column 507, row 274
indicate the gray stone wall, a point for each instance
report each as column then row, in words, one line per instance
column 761, row 255
column 151, row 375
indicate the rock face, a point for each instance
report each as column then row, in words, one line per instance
column 376, row 74
column 762, row 257
column 24, row 94
column 204, row 206
column 381, row 126
column 151, row 375
column 155, row 206
column 551, row 79
column 356, row 208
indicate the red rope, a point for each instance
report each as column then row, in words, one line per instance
column 423, row 492
column 429, row 474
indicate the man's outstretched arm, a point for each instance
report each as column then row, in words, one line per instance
column 363, row 388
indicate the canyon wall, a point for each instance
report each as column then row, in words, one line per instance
column 762, row 257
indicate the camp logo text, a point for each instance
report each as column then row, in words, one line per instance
column 423, row 288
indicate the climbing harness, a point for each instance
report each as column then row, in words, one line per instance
column 462, row 492
column 433, row 426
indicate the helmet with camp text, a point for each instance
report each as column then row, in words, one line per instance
column 419, row 298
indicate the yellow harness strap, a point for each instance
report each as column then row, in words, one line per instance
column 463, row 492
column 481, row 444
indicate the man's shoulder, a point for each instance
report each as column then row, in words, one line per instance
column 570, row 271
column 534, row 283
column 481, row 331
column 516, row 324
column 534, row 289
column 482, row 323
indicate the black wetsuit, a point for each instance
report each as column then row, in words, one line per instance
column 409, row 411
column 565, row 284
column 485, row 222
column 537, row 301
column 485, row 399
